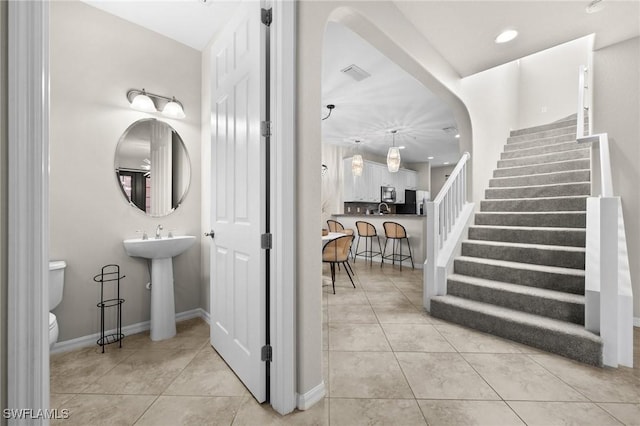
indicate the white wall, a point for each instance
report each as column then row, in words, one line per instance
column 95, row 59
column 548, row 88
column 492, row 99
column 439, row 178
column 616, row 111
column 424, row 175
column 3, row 201
column 332, row 182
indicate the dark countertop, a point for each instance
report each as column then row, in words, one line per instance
column 397, row 215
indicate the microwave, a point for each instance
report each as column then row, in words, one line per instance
column 387, row 194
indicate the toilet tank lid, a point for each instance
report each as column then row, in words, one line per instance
column 57, row 264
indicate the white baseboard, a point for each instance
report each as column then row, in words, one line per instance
column 636, row 321
column 308, row 399
column 91, row 339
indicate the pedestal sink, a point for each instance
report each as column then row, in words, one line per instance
column 161, row 252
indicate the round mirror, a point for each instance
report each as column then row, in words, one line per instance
column 152, row 167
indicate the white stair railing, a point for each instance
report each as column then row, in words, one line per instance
column 448, row 218
column 608, row 293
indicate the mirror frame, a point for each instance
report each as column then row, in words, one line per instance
column 117, row 170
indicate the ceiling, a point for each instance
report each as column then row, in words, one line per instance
column 190, row 22
column 390, row 99
column 453, row 26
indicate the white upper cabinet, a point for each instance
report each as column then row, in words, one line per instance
column 366, row 188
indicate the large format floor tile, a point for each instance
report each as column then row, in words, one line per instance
column 366, row 375
column 443, row 376
column 562, row 413
column 468, row 413
column 385, row 361
column 518, row 377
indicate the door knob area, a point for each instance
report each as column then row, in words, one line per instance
column 210, row 234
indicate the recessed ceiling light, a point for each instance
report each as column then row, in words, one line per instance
column 429, row 158
column 506, row 36
column 445, row 163
column 401, row 147
column 457, row 136
column 595, row 6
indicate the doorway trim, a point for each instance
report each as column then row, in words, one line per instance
column 28, row 242
column 28, row 245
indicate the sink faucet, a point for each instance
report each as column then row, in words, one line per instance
column 158, row 229
column 380, row 207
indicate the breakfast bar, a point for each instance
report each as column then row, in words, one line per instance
column 415, row 226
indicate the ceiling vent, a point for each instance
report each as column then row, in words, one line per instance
column 355, row 72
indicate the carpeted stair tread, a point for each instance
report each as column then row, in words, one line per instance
column 561, row 337
column 549, row 255
column 538, row 191
column 543, row 139
column 548, row 303
column 569, row 122
column 571, row 176
column 570, row 219
column 540, row 150
column 557, row 166
column 550, row 277
column 538, row 204
column 529, row 234
column 553, row 157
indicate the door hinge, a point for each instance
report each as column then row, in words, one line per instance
column 265, row 128
column 266, row 17
column 267, row 353
column 266, row 241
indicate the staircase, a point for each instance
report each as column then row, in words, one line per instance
column 521, row 273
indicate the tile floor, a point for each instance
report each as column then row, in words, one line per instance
column 386, row 362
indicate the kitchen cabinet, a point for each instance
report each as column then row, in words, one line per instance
column 366, row 188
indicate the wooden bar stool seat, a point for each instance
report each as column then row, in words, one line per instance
column 396, row 233
column 368, row 232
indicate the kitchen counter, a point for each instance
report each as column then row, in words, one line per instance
column 394, row 215
column 415, row 226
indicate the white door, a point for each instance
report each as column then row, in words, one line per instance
column 238, row 294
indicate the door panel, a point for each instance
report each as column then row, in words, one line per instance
column 238, row 295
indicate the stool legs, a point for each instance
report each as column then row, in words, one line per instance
column 398, row 254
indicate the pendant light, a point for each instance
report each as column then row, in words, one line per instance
column 393, row 156
column 357, row 165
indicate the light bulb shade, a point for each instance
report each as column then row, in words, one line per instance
column 173, row 109
column 393, row 159
column 357, row 165
column 143, row 102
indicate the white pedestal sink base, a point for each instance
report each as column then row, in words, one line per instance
column 163, row 308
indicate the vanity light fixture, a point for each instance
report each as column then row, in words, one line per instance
column 393, row 155
column 150, row 102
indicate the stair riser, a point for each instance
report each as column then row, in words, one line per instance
column 541, row 150
column 556, row 309
column 535, row 205
column 573, row 176
column 571, row 189
column 553, row 220
column 549, row 340
column 560, row 238
column 548, row 257
column 555, row 157
column 539, row 279
column 563, row 166
column 562, row 132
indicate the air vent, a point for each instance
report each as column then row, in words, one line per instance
column 355, row 72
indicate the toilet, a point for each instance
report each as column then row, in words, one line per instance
column 56, row 286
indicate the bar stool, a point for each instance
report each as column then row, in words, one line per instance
column 368, row 231
column 335, row 226
column 396, row 232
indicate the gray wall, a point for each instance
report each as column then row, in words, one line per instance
column 438, row 178
column 616, row 110
column 3, row 206
column 95, row 59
